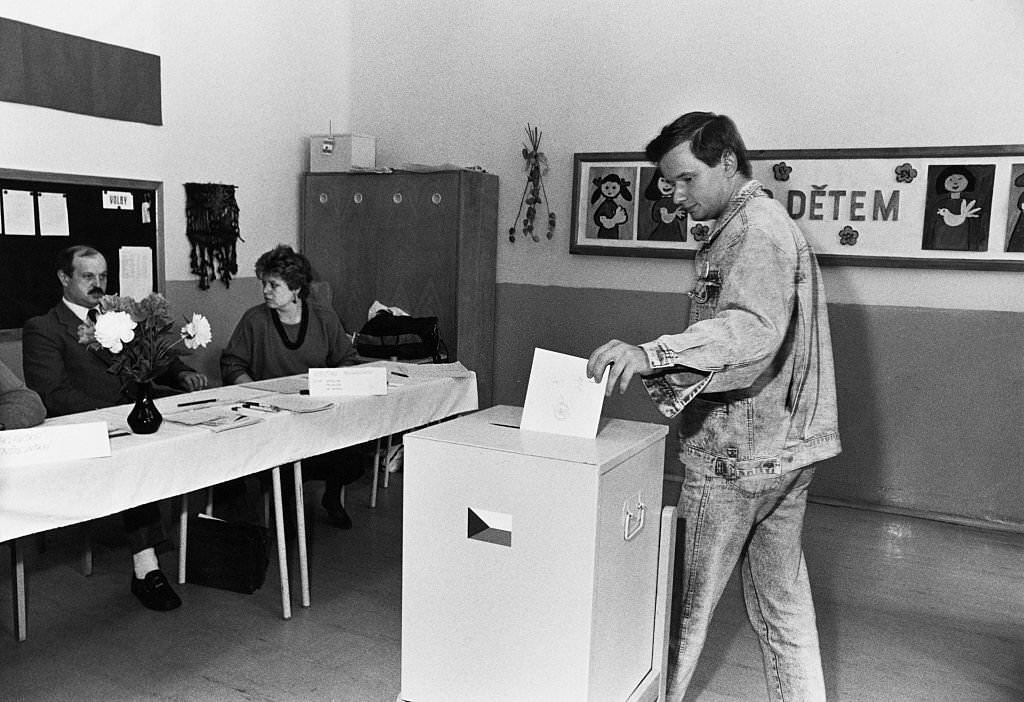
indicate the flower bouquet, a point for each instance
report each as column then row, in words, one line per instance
column 138, row 340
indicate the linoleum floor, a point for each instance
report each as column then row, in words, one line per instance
column 909, row 610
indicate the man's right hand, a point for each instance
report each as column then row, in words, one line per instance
column 622, row 361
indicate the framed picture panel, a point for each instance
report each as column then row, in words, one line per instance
column 943, row 207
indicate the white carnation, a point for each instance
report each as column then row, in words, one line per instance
column 114, row 330
column 197, row 332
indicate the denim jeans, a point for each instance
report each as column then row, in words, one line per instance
column 758, row 522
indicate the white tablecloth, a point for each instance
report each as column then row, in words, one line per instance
column 178, row 459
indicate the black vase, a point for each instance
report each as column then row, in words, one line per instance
column 144, row 418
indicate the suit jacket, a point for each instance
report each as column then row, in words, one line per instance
column 69, row 376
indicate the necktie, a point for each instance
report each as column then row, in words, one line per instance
column 93, row 314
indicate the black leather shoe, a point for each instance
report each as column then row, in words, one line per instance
column 155, row 592
column 336, row 514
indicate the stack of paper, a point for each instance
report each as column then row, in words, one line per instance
column 287, row 385
column 426, row 371
column 212, row 418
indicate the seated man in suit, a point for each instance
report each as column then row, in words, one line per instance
column 19, row 406
column 71, row 378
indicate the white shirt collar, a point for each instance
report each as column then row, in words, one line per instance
column 78, row 310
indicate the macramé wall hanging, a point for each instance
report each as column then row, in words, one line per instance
column 211, row 225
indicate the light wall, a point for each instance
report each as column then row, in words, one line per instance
column 451, row 81
column 925, row 357
column 244, row 85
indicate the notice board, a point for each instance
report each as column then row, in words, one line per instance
column 43, row 213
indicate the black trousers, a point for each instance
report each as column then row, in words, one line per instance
column 144, row 526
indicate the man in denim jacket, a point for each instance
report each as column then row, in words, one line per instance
column 754, row 372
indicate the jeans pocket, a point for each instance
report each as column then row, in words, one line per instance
column 756, row 485
column 705, row 425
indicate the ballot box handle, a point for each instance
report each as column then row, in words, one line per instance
column 633, row 517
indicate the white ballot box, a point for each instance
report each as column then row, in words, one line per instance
column 530, row 561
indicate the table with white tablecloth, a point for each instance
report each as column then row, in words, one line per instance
column 178, row 459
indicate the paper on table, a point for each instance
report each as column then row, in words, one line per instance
column 560, row 398
column 351, row 380
column 55, row 442
column 212, row 418
column 288, row 384
column 429, row 370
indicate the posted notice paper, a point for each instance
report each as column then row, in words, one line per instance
column 560, row 398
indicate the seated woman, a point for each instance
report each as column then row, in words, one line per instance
column 286, row 335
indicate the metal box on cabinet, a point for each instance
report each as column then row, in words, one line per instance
column 339, row 153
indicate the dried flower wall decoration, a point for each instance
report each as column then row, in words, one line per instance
column 534, row 194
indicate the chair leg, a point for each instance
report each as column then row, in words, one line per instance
column 18, row 599
column 209, row 501
column 376, row 474
column 182, row 538
column 267, row 496
column 86, row 550
column 386, row 461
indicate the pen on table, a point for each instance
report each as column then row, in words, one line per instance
column 400, row 375
column 260, row 406
column 197, row 402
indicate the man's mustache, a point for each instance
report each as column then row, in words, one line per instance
column 96, row 291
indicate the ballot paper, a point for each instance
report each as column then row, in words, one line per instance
column 560, row 398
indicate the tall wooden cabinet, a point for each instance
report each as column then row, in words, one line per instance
column 424, row 242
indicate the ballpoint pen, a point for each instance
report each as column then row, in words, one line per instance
column 260, row 406
column 197, row 402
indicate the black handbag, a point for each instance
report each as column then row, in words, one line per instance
column 401, row 337
column 226, row 555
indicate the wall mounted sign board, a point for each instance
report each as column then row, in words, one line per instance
column 940, row 207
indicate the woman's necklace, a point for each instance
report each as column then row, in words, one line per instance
column 283, row 333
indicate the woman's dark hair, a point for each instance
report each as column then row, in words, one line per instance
column 710, row 136
column 291, row 267
column 940, row 182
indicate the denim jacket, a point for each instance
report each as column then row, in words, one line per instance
column 754, row 367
